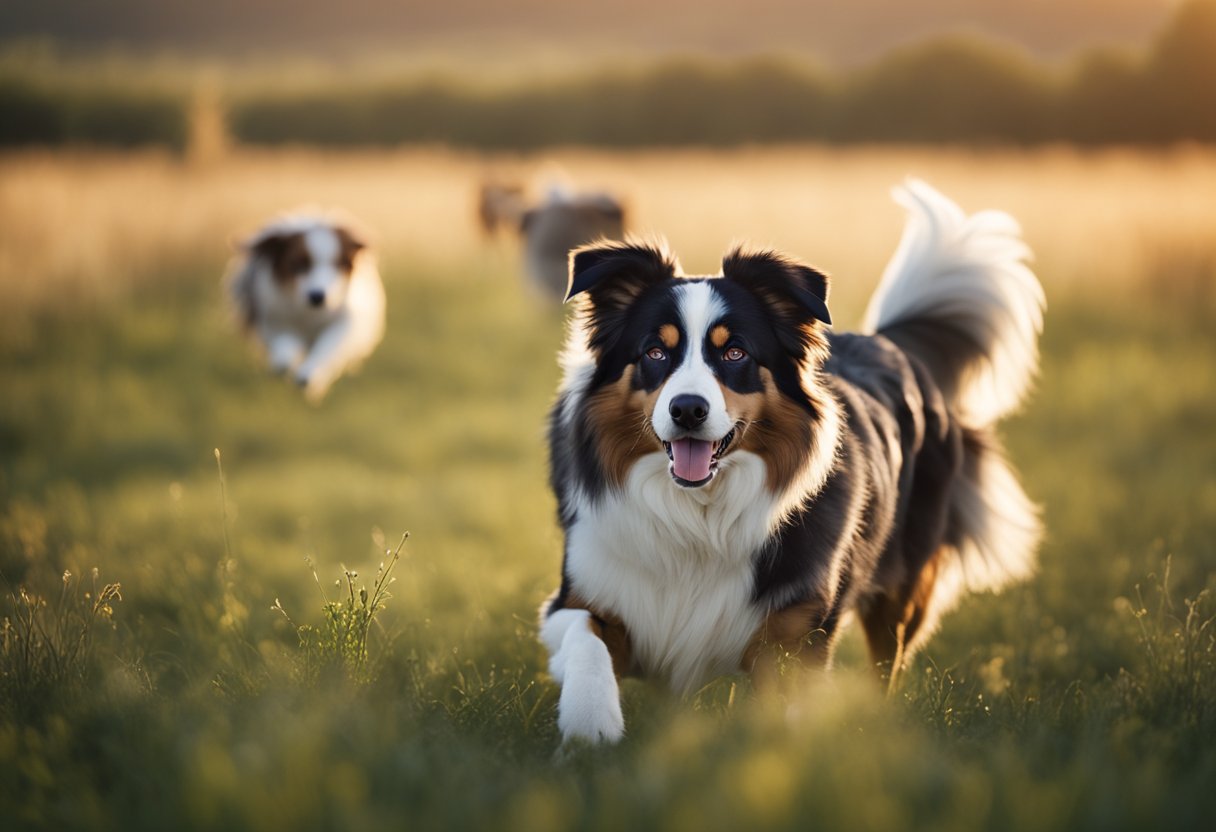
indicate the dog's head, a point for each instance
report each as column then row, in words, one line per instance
column 700, row 368
column 311, row 261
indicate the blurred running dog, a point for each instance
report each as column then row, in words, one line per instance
column 734, row 480
column 307, row 286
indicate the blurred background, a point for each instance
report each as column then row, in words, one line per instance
column 141, row 139
column 486, row 75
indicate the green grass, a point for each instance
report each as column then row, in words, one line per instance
column 1085, row 699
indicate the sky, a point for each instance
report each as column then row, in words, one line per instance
column 836, row 32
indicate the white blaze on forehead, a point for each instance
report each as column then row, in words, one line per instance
column 323, row 245
column 699, row 307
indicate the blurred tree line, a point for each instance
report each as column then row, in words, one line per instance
column 35, row 111
column 947, row 90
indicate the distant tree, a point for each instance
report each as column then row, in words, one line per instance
column 1104, row 99
column 959, row 89
column 1182, row 75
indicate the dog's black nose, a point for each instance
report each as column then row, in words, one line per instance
column 688, row 411
column 316, row 297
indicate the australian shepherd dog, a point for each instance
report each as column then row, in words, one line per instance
column 735, row 480
column 306, row 285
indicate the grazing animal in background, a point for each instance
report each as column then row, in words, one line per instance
column 561, row 224
column 500, row 205
column 307, row 286
column 734, row 479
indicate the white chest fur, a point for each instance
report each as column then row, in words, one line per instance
column 676, row 565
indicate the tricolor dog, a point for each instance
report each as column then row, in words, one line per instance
column 307, row 286
column 734, row 480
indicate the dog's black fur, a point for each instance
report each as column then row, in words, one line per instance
column 889, row 492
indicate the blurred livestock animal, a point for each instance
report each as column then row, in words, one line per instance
column 306, row 285
column 564, row 222
column 551, row 229
column 499, row 206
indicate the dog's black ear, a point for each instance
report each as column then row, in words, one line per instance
column 796, row 294
column 614, row 274
column 790, row 286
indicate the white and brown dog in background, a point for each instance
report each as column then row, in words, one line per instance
column 307, row 286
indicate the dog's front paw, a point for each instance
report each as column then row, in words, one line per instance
column 283, row 353
column 596, row 724
column 590, row 707
column 315, row 386
column 313, row 392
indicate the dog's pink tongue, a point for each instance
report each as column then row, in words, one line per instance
column 690, row 459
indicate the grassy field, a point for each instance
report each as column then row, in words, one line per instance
column 1085, row 699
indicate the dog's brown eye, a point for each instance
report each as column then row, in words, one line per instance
column 734, row 354
column 655, row 354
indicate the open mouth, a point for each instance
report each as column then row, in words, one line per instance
column 695, row 461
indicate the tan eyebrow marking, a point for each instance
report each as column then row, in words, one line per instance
column 669, row 335
column 719, row 335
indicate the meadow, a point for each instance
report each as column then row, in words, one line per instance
column 217, row 686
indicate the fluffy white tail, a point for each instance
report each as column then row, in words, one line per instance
column 959, row 296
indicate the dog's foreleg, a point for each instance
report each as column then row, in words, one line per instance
column 325, row 360
column 589, row 708
column 284, row 350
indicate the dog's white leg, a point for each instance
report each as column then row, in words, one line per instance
column 284, row 350
column 590, row 705
column 325, row 360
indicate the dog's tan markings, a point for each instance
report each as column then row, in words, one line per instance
column 719, row 335
column 620, row 420
column 610, row 630
column 787, row 641
column 669, row 335
column 774, row 428
column 742, row 407
column 291, row 258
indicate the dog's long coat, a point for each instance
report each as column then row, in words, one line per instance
column 732, row 479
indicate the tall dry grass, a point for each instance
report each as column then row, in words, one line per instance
column 91, row 226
